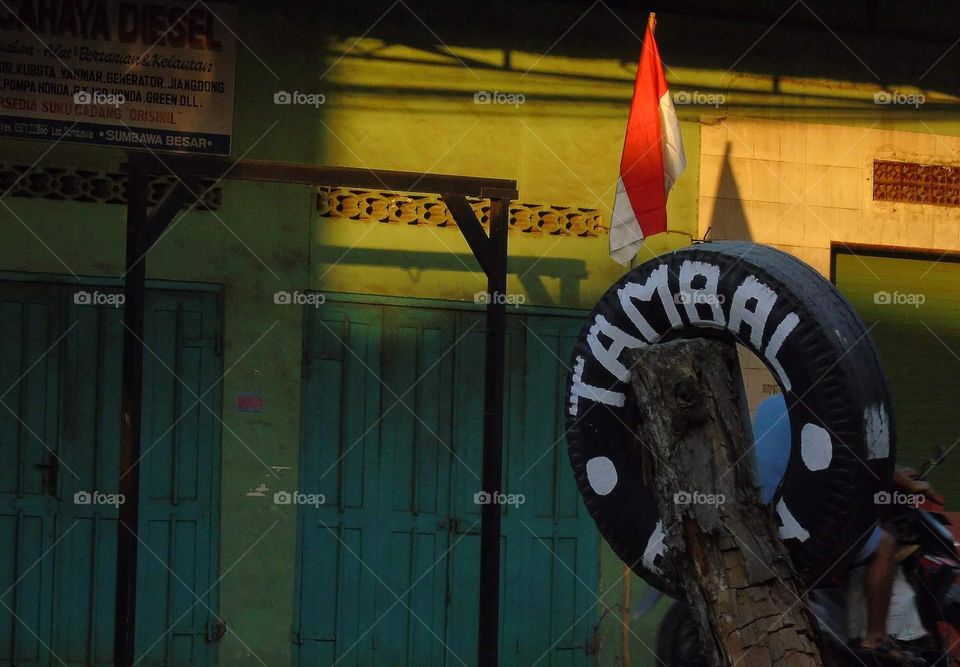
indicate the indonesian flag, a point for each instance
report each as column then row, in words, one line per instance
column 652, row 158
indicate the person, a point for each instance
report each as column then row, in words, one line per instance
column 772, row 437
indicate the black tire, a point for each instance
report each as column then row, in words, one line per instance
column 843, row 435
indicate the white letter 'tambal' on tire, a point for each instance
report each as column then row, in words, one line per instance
column 706, row 295
column 756, row 319
column 655, row 548
column 788, row 324
column 609, row 357
column 656, row 282
column 797, row 323
column 789, row 526
column 579, row 388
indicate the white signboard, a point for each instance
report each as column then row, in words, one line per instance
column 128, row 74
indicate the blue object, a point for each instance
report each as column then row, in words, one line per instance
column 771, row 433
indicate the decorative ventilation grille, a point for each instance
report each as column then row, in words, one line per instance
column 408, row 209
column 89, row 186
column 916, row 183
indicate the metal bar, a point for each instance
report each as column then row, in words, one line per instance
column 132, row 395
column 311, row 174
column 471, row 229
column 489, row 626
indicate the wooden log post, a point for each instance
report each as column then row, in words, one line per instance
column 721, row 540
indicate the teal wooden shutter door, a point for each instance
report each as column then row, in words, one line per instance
column 30, row 324
column 85, row 560
column 67, row 596
column 561, row 561
column 180, row 481
column 414, row 486
column 339, row 459
column 464, row 557
column 392, row 432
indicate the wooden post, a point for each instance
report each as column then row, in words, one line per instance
column 693, row 424
column 144, row 228
column 488, row 630
column 491, row 253
column 128, row 524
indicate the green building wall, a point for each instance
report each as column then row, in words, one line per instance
column 398, row 97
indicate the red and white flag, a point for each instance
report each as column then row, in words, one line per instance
column 652, row 158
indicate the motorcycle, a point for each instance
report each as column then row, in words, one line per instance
column 924, row 616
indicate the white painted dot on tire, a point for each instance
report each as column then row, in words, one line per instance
column 602, row 475
column 816, row 447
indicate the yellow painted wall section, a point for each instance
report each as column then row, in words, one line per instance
column 425, row 116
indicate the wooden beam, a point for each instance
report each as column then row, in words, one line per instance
column 312, row 174
column 179, row 194
column 471, row 229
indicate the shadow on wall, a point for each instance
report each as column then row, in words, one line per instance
column 729, row 220
column 529, row 270
column 754, row 44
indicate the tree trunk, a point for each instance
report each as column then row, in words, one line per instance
column 693, row 429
